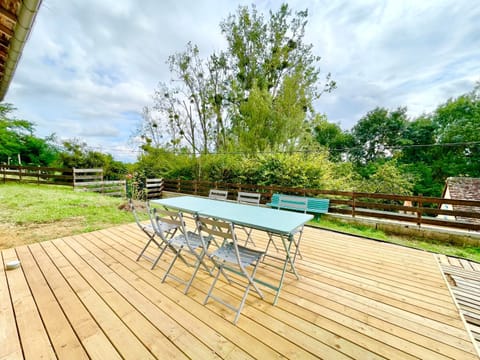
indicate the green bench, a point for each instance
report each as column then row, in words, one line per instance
column 297, row 203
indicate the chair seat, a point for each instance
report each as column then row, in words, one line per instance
column 247, row 256
column 193, row 239
column 165, row 226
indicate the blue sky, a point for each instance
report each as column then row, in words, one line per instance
column 90, row 67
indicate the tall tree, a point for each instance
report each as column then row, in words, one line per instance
column 270, row 57
column 457, row 124
column 377, row 134
column 212, row 104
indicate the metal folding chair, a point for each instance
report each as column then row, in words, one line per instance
column 150, row 231
column 230, row 257
column 248, row 199
column 294, row 203
column 186, row 241
column 218, row 194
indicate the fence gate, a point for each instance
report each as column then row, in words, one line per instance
column 92, row 180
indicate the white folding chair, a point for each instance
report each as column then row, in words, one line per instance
column 248, row 199
column 185, row 242
column 230, row 257
column 149, row 230
column 218, row 194
column 296, row 203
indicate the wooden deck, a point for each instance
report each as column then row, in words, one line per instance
column 464, row 279
column 86, row 297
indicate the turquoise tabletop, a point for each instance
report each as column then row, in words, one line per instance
column 272, row 220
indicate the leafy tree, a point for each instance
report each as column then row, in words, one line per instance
column 17, row 139
column 331, row 136
column 457, row 124
column 273, row 68
column 190, row 109
column 261, row 87
column 76, row 154
column 377, row 134
column 388, row 178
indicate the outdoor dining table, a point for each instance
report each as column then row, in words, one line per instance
column 278, row 222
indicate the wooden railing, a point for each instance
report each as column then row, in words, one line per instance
column 422, row 211
column 36, row 174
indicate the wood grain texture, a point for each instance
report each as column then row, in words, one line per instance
column 86, row 296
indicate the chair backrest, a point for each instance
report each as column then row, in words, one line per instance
column 248, row 198
column 165, row 220
column 297, row 203
column 134, row 212
column 223, row 230
column 218, row 194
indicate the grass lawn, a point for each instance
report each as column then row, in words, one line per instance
column 31, row 213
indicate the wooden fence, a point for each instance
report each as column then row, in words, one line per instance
column 154, row 188
column 36, row 174
column 92, row 180
column 80, row 179
column 422, row 211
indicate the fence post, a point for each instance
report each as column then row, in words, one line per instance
column 178, row 185
column 419, row 213
column 353, row 204
column 38, row 176
column 20, row 172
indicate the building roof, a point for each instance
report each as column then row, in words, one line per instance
column 463, row 188
column 16, row 21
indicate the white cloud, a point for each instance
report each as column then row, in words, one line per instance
column 89, row 66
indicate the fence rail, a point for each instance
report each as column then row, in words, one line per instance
column 421, row 210
column 36, row 174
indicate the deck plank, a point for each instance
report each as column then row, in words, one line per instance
column 62, row 336
column 150, row 285
column 10, row 343
column 33, row 335
column 126, row 343
column 89, row 333
column 355, row 299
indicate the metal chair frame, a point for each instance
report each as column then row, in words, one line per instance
column 230, row 257
column 188, row 241
column 218, row 194
column 150, row 231
column 248, row 199
column 295, row 203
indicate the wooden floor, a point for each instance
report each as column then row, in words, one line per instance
column 86, row 297
column 464, row 279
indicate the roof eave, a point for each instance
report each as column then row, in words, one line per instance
column 26, row 17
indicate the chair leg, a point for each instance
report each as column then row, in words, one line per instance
column 242, row 303
column 212, row 286
column 144, row 249
column 200, row 262
column 158, row 257
column 177, row 254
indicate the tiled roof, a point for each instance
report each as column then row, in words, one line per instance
column 464, row 188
